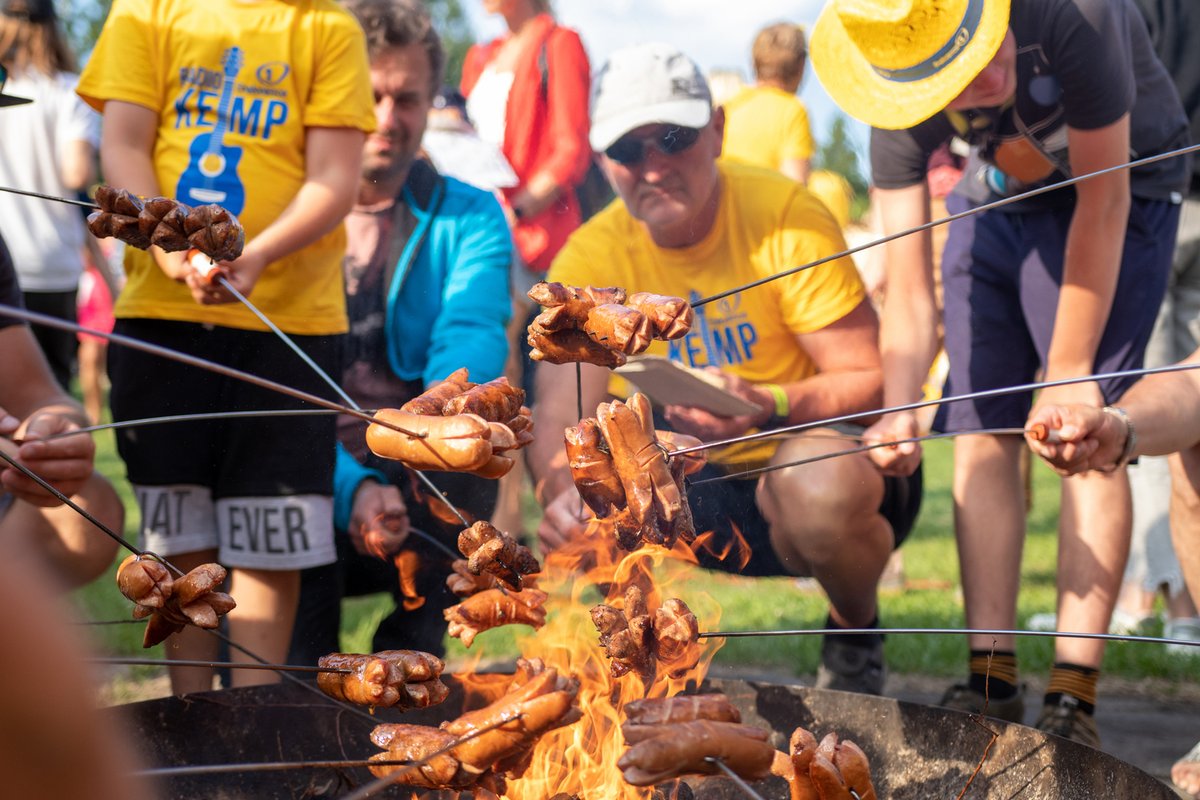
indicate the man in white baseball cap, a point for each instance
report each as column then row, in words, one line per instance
column 799, row 349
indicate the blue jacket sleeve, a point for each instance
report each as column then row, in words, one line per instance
column 347, row 475
column 470, row 330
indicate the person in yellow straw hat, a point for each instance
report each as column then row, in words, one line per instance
column 1067, row 283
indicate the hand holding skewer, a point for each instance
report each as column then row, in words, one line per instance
column 1077, row 438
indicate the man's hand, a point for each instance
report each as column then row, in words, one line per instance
column 64, row 463
column 378, row 520
column 900, row 460
column 1087, row 437
column 565, row 519
column 708, row 427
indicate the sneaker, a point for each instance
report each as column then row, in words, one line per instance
column 1185, row 629
column 962, row 697
column 851, row 668
column 1067, row 720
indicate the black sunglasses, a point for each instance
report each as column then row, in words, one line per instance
column 630, row 151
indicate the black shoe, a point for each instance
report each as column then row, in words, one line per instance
column 962, row 697
column 852, row 667
column 1066, row 719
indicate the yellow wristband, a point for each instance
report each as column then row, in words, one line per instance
column 783, row 406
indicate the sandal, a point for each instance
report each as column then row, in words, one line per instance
column 1186, row 773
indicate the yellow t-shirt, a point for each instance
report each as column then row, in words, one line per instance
column 236, row 85
column 766, row 126
column 765, row 224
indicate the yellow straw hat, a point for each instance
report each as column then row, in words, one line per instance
column 894, row 63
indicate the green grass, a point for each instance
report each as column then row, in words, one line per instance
column 932, row 599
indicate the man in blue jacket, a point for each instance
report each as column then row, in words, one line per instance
column 427, row 293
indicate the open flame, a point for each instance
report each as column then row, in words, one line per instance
column 581, row 759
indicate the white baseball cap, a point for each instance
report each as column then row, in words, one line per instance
column 643, row 85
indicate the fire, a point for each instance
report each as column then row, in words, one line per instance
column 581, row 759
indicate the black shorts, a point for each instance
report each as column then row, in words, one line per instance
column 260, row 488
column 725, row 506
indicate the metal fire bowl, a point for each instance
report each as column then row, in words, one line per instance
column 917, row 752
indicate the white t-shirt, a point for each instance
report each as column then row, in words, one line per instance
column 487, row 105
column 45, row 237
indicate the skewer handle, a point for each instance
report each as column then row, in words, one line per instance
column 208, row 269
column 1042, row 433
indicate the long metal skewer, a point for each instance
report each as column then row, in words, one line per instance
column 387, row 780
column 733, row 776
column 40, row 196
column 136, row 423
column 1004, row 390
column 1109, row 637
column 202, row 363
column 861, row 449
column 263, row 766
column 944, row 220
column 83, row 512
column 158, row 662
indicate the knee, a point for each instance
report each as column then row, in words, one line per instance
column 821, row 503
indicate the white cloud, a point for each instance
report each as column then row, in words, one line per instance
column 716, row 33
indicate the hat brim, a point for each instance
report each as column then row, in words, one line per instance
column 13, row 100
column 867, row 96
column 690, row 113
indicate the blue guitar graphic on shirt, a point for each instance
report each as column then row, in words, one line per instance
column 211, row 174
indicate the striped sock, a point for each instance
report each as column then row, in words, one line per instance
column 998, row 680
column 1077, row 681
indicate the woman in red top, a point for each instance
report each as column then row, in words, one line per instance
column 527, row 92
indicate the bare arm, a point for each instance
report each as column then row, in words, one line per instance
column 333, row 159
column 1164, row 410
column 908, row 339
column 1095, row 243
column 32, row 405
column 126, row 156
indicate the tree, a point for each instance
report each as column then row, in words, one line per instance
column 838, row 154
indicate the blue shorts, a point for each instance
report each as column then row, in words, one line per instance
column 1001, row 275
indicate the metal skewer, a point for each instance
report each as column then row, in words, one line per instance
column 1110, row 637
column 862, row 449
column 135, row 423
column 969, row 212
column 202, row 363
column 987, row 393
column 158, row 662
column 265, row 766
column 733, row 776
column 388, row 780
column 83, row 512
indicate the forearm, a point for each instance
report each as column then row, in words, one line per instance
column 538, row 193
column 1092, row 261
column 834, row 394
column 1165, row 411
column 908, row 345
column 317, row 209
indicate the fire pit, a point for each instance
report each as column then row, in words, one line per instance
column 917, row 752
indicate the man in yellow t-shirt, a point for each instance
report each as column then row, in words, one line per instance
column 260, row 106
column 766, row 124
column 800, row 349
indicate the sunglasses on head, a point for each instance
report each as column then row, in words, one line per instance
column 631, row 151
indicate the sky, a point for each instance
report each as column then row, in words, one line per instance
column 715, row 33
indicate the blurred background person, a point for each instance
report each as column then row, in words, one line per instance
column 47, row 146
column 725, row 83
column 766, row 124
column 527, row 92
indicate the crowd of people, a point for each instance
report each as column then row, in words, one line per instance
column 307, row 122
